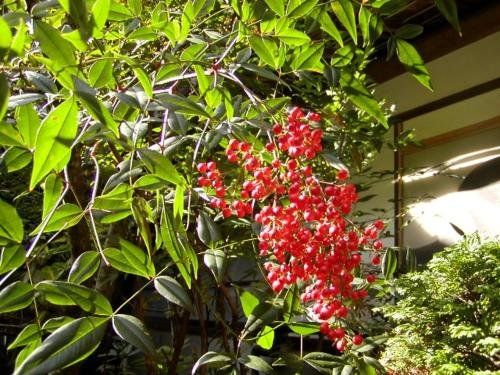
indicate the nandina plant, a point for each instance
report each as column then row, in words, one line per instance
column 106, row 109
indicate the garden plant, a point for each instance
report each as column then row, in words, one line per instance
column 197, row 152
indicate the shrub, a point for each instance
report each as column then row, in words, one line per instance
column 447, row 320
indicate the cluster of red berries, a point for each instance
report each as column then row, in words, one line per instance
column 304, row 234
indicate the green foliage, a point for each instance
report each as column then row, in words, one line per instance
column 446, row 320
column 106, row 106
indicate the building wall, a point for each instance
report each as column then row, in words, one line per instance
column 464, row 68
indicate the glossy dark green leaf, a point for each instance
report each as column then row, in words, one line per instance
column 344, row 10
column 291, row 304
column 54, row 45
column 343, row 56
column 69, row 344
column 11, row 225
column 364, row 17
column 409, row 31
column 323, row 361
column 133, row 331
column 130, row 259
column 389, row 263
column 84, row 267
column 159, row 165
column 4, row 95
column 361, row 97
column 16, row 296
column 29, row 334
column 11, row 257
column 173, row 291
column 54, row 140
column 208, row 231
column 28, row 123
column 210, row 359
column 69, row 294
column 412, row 61
column 449, row 9
column 64, row 217
column 256, row 363
column 182, row 105
column 266, row 338
column 216, row 261
column 15, row 159
column 88, row 97
column 266, row 49
column 101, row 73
column 54, row 323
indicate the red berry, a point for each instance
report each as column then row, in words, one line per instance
column 357, row 340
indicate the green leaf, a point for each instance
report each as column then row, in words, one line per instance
column 179, row 253
column 309, row 58
column 303, row 328
column 266, row 50
column 9, row 136
column 409, row 31
column 182, row 105
column 140, row 212
column 65, row 216
column 299, row 8
column 248, row 302
column 16, row 296
column 29, row 334
column 208, row 231
column 449, row 9
column 17, row 45
column 133, row 331
column 11, row 225
column 115, row 204
column 144, row 80
column 88, row 98
column 266, row 338
column 344, row 11
column 179, row 204
column 412, row 61
column 5, row 38
column 389, row 263
column 293, row 37
column 361, row 97
column 215, row 260
column 15, row 159
column 84, row 267
column 135, row 6
column 291, row 304
column 329, row 27
column 119, row 12
column 77, row 9
column 343, row 56
column 4, row 95
column 262, row 314
column 54, row 141
column 173, row 291
column 256, row 363
column 28, row 123
column 52, row 189
column 99, row 14
column 101, row 73
column 159, row 165
column 54, row 45
column 130, row 259
column 11, row 257
column 69, row 344
column 322, row 361
column 210, row 359
column 364, row 17
column 54, row 323
column 277, row 6
column 69, row 294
